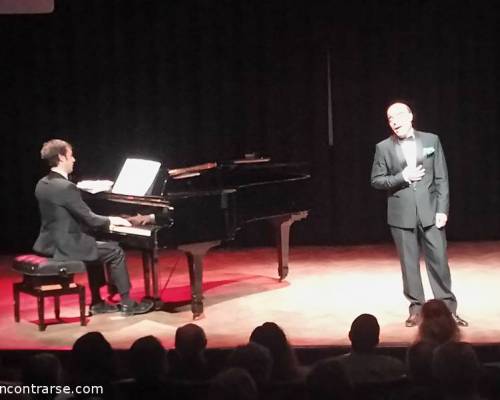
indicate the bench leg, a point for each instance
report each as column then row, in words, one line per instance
column 41, row 313
column 81, row 298
column 57, row 307
column 17, row 316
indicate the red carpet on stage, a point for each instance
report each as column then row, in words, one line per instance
column 326, row 289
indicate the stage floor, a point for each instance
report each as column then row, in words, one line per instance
column 327, row 287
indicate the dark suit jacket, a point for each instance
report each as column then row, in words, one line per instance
column 424, row 198
column 64, row 217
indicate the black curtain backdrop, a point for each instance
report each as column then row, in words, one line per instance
column 187, row 82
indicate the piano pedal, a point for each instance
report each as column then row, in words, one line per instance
column 159, row 305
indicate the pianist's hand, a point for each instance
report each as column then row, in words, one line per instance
column 119, row 221
column 140, row 219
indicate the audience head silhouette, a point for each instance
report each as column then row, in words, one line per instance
column 457, row 369
column 364, row 333
column 272, row 337
column 419, row 362
column 233, row 384
column 254, row 358
column 190, row 340
column 43, row 369
column 187, row 360
column 92, row 359
column 148, row 359
column 438, row 325
column 328, row 380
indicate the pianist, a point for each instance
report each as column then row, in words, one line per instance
column 64, row 219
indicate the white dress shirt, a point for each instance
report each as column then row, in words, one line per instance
column 409, row 148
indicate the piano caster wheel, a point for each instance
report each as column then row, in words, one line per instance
column 283, row 273
column 197, row 310
column 198, row 316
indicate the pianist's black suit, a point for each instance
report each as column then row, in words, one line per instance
column 64, row 219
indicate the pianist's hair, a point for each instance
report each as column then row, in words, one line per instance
column 51, row 150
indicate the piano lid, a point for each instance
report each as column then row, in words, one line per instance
column 201, row 179
column 187, row 172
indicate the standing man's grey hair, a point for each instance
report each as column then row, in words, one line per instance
column 50, row 151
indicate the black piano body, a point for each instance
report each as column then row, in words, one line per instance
column 199, row 212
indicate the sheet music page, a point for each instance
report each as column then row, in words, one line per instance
column 95, row 186
column 136, row 177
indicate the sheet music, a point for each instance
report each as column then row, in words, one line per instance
column 136, row 177
column 95, row 186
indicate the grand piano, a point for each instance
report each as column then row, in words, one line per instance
column 202, row 206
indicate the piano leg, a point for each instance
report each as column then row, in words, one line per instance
column 282, row 226
column 155, row 272
column 195, row 253
column 146, row 265
column 150, row 266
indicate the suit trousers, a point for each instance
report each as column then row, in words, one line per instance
column 113, row 257
column 432, row 241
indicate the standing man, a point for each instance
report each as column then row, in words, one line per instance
column 410, row 165
column 64, row 219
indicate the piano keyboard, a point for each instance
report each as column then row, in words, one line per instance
column 133, row 230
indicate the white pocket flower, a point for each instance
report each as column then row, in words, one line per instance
column 429, row 151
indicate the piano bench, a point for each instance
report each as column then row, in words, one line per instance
column 45, row 277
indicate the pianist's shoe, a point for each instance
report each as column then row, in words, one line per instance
column 102, row 308
column 135, row 308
